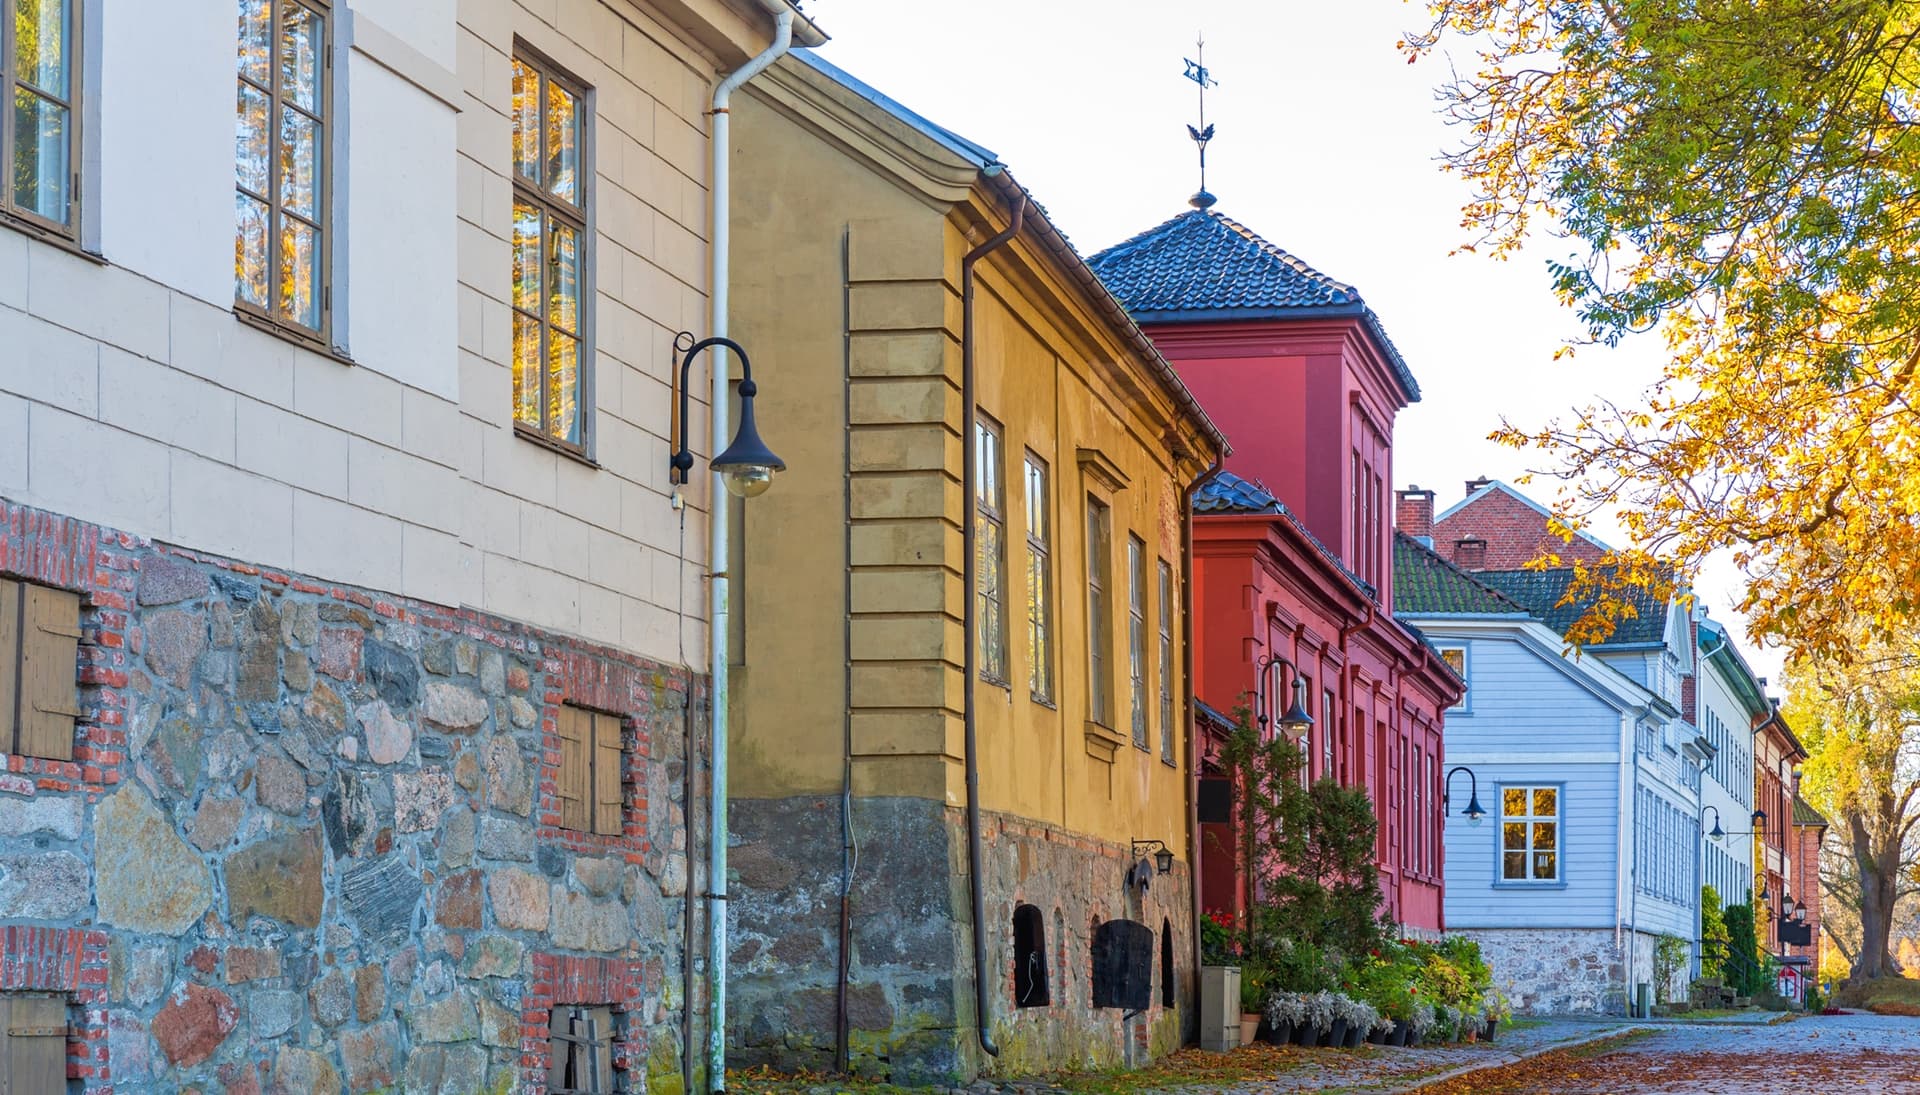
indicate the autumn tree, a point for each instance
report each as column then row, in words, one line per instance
column 1744, row 177
column 1861, row 723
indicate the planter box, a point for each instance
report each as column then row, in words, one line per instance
column 1219, row 1008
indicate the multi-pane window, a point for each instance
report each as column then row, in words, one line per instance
column 1039, row 582
column 1456, row 659
column 591, row 783
column 1099, row 613
column 549, row 254
column 990, row 550
column 38, row 123
column 1329, row 730
column 281, row 240
column 1166, row 662
column 1137, row 636
column 1530, row 834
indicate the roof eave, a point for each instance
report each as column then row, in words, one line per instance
column 1354, row 309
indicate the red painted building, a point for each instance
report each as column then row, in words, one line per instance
column 1293, row 541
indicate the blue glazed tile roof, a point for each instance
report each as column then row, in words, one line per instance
column 1202, row 265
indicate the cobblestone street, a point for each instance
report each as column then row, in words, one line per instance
column 1858, row 1052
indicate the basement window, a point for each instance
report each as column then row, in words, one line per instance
column 581, row 1043
column 1030, row 958
column 39, row 658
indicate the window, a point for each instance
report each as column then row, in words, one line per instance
column 1530, row 834
column 549, row 254
column 1456, row 659
column 1099, row 613
column 990, row 551
column 592, row 796
column 1419, row 819
column 581, row 1041
column 33, row 1042
column 1166, row 662
column 1039, row 582
column 1030, row 958
column 39, row 670
column 39, row 126
column 281, row 243
column 1137, row 636
column 1329, row 731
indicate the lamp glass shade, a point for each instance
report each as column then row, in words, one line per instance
column 1164, row 860
column 747, row 465
column 1296, row 722
column 1718, row 833
column 1474, row 811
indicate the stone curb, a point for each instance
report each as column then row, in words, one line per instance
column 1539, row 1051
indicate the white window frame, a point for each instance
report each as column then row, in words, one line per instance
column 1529, row 819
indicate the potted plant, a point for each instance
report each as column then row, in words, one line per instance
column 1360, row 1018
column 1328, row 1026
column 1382, row 1029
column 1285, row 1011
column 1220, row 982
column 1420, row 1024
column 1253, row 991
column 1498, row 1009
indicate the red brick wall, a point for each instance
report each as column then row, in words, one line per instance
column 1515, row 533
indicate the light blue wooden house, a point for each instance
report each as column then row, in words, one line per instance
column 1589, row 776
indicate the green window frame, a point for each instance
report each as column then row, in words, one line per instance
column 283, row 241
column 551, row 291
column 40, row 61
column 1039, row 581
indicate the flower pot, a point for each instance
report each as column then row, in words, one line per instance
column 1398, row 1035
column 1249, row 1026
column 1278, row 1034
column 1304, row 1034
column 1486, row 1033
column 1355, row 1035
column 1338, row 1035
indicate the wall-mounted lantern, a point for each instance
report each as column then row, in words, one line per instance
column 1295, row 721
column 1718, row 833
column 1473, row 812
column 1162, row 859
column 746, row 466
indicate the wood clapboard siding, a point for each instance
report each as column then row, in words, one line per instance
column 1525, row 706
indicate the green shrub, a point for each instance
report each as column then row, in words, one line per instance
column 1746, row 971
column 1714, row 940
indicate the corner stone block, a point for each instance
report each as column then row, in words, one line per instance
column 147, row 879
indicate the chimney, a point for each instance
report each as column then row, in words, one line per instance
column 1477, row 484
column 1413, row 513
column 1470, row 553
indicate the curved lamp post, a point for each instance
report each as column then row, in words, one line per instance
column 1295, row 722
column 1473, row 813
column 746, row 466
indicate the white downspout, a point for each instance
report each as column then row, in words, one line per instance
column 718, row 553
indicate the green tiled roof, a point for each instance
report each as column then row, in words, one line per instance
column 1541, row 590
column 1806, row 816
column 1423, row 583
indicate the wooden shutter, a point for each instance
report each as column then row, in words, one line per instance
column 9, row 666
column 576, row 768
column 608, row 791
column 33, row 1050
column 49, row 672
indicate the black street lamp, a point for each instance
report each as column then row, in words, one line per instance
column 1473, row 813
column 1295, row 722
column 1162, row 859
column 1718, row 833
column 747, row 465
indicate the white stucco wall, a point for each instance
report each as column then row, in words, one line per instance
column 142, row 403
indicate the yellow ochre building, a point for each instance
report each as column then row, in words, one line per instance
column 854, row 877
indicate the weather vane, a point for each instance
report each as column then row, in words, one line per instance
column 1197, row 72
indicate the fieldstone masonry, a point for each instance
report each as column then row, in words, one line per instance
column 910, row 999
column 310, row 841
column 1565, row 971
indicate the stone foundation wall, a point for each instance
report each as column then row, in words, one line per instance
column 310, row 840
column 911, row 999
column 1559, row 971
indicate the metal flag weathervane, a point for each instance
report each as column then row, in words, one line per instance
column 1197, row 72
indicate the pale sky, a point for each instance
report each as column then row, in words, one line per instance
column 1326, row 143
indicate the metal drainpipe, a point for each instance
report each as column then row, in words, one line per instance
column 719, row 552
column 1192, row 712
column 982, row 984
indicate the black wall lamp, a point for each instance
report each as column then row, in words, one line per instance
column 1295, row 722
column 1162, row 859
column 1759, row 825
column 1474, row 812
column 747, row 465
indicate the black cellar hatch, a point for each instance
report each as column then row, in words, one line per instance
column 1123, row 965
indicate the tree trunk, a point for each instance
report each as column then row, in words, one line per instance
column 1879, row 889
